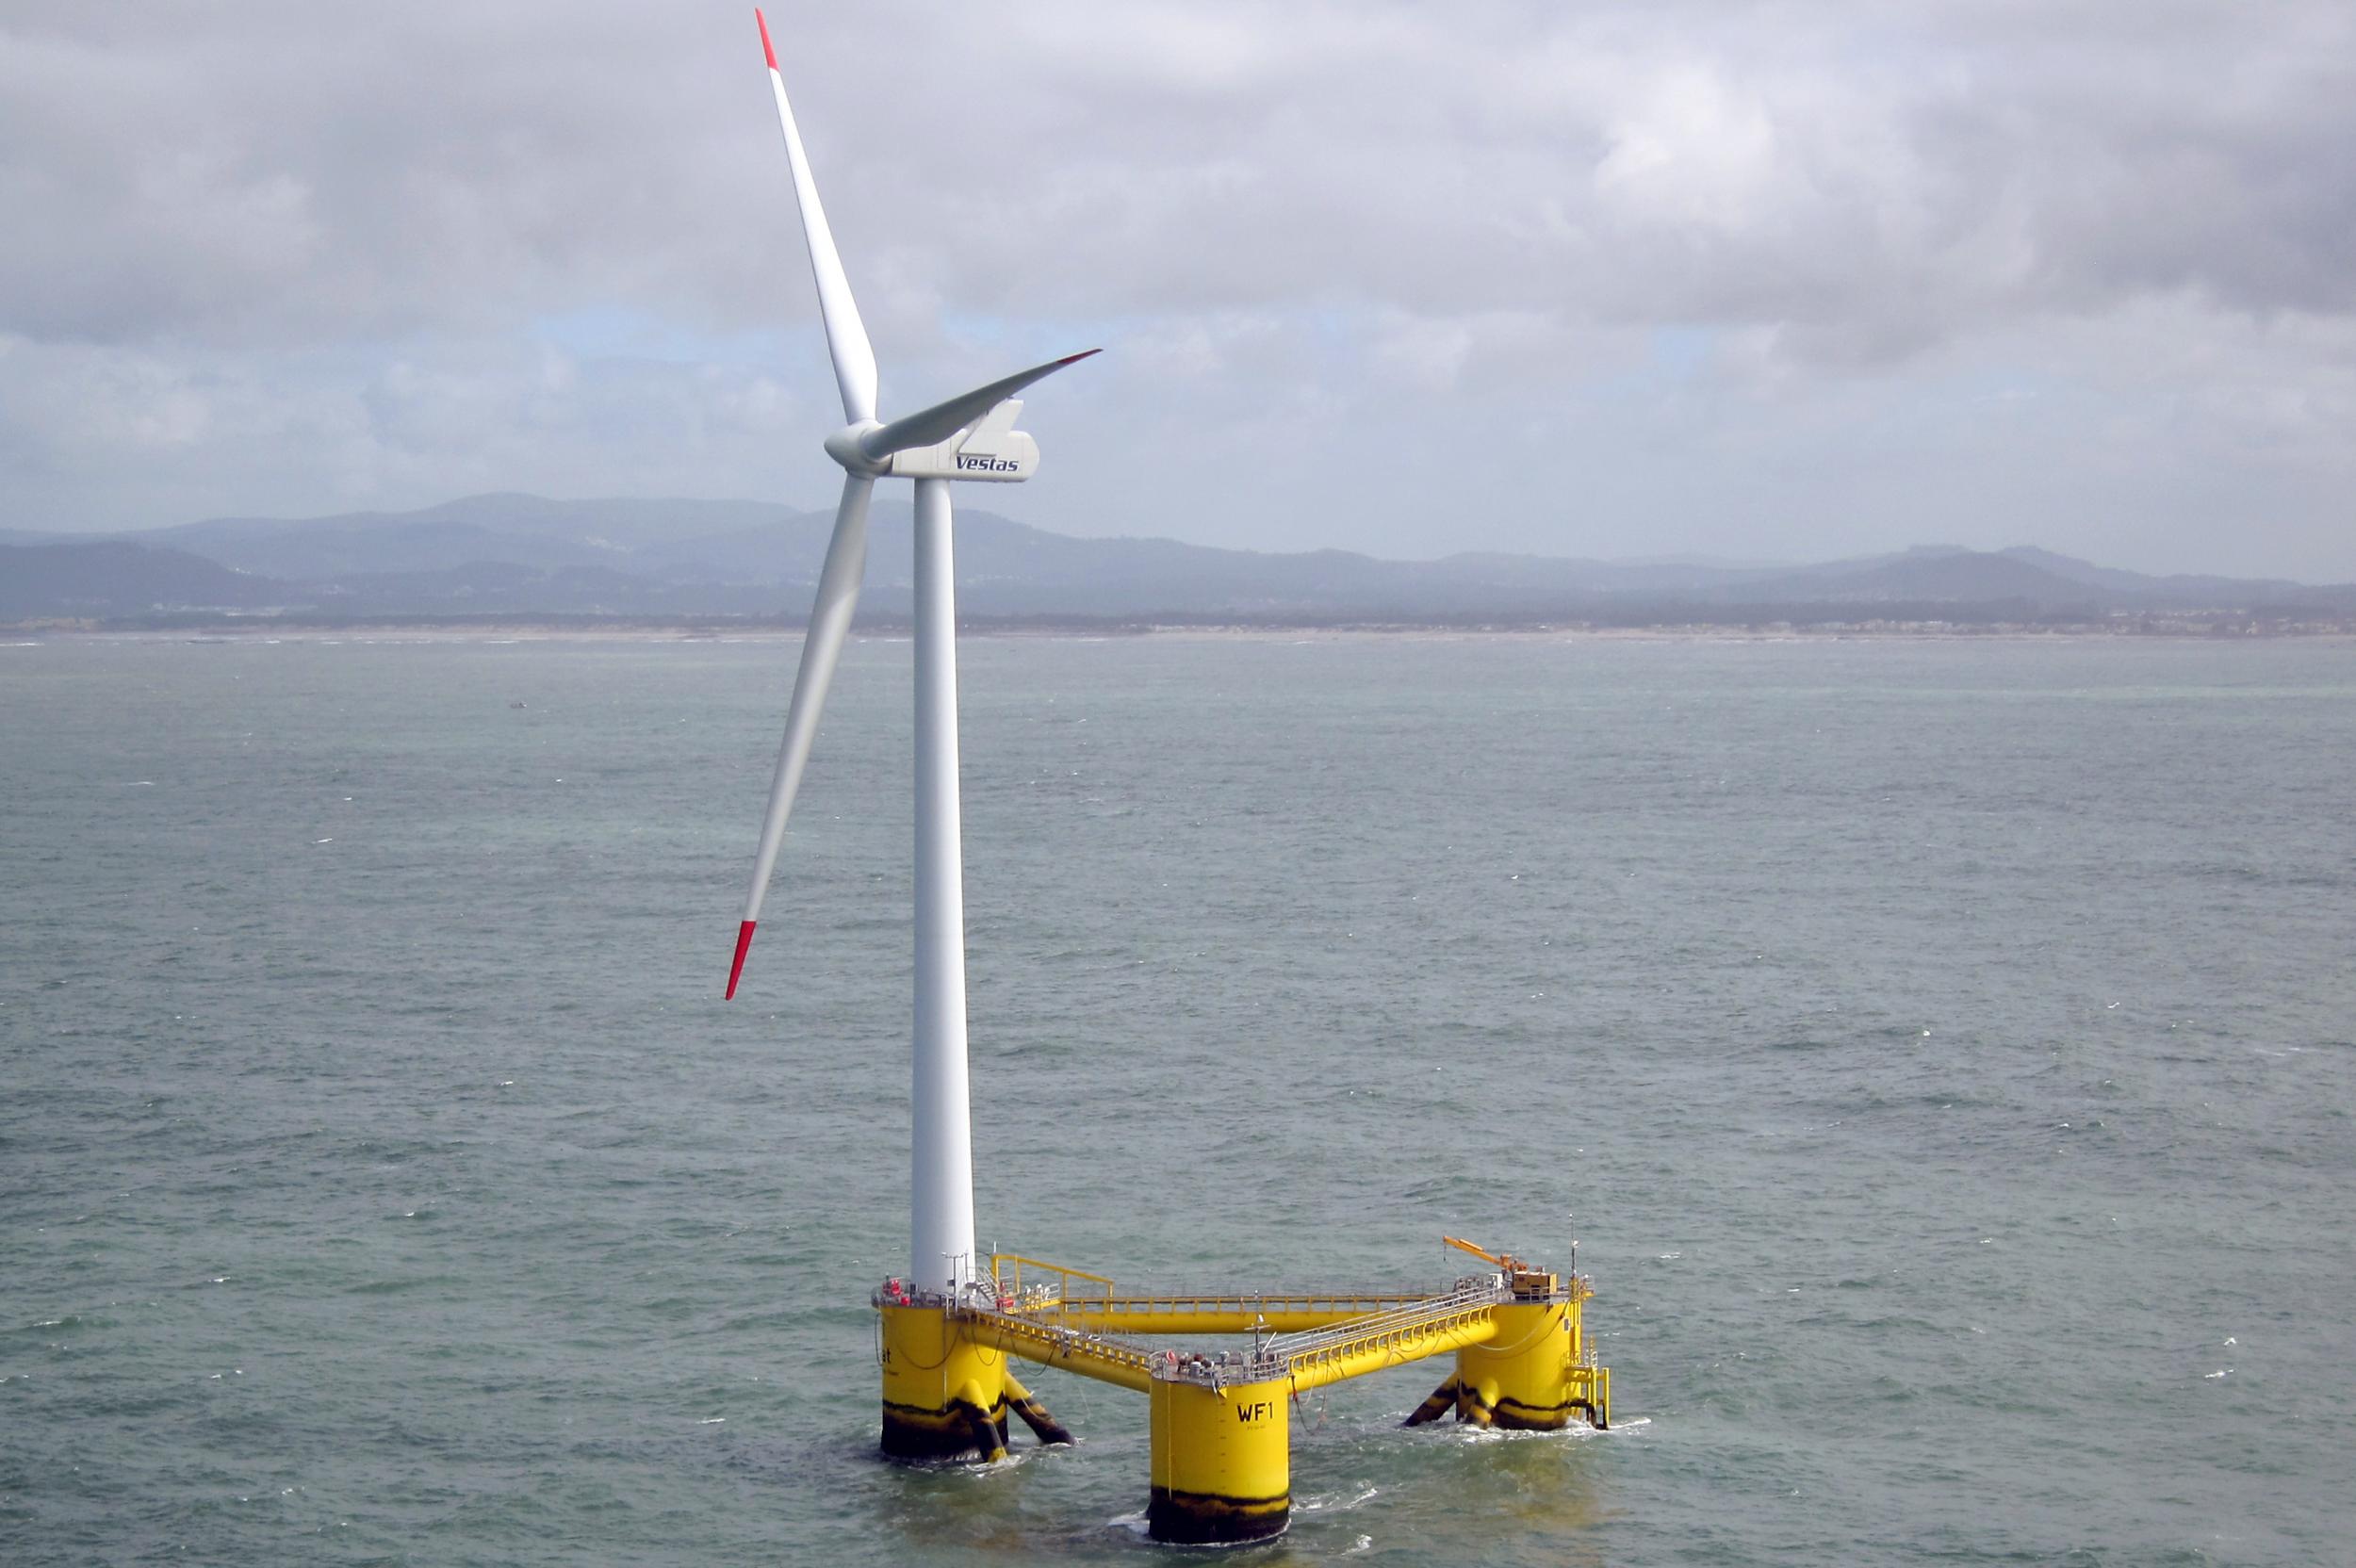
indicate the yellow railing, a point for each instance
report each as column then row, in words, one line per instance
column 1007, row 1269
column 1405, row 1331
column 1057, row 1293
column 1226, row 1313
column 1063, row 1317
column 1409, row 1334
column 1051, row 1344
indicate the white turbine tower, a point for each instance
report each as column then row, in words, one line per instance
column 970, row 436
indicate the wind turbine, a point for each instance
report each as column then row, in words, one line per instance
column 970, row 436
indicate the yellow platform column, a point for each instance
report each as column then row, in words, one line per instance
column 1521, row 1379
column 943, row 1395
column 1026, row 1404
column 1222, row 1462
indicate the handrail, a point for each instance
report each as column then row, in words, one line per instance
column 1022, row 1317
column 1273, row 1358
column 1071, row 1341
column 1244, row 1300
column 1396, row 1335
column 1067, row 1274
column 1315, row 1341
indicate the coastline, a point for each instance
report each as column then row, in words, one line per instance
column 2173, row 630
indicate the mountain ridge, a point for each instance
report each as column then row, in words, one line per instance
column 519, row 554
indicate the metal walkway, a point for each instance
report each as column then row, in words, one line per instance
column 1345, row 1340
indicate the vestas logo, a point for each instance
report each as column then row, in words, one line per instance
column 987, row 464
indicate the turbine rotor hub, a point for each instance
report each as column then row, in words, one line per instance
column 843, row 447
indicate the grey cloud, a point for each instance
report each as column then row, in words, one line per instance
column 235, row 230
column 275, row 173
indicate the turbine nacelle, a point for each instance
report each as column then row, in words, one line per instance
column 971, row 436
column 992, row 450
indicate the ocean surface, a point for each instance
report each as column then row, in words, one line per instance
column 1945, row 1054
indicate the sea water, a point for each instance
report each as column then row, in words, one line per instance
column 1943, row 1053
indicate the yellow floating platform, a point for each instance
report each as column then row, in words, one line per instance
column 1219, row 1421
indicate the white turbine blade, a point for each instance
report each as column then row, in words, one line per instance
column 846, row 335
column 936, row 424
column 829, row 619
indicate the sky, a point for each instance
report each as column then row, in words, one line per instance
column 1766, row 282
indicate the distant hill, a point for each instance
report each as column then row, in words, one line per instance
column 2174, row 590
column 632, row 536
column 1934, row 576
column 112, row 578
column 528, row 555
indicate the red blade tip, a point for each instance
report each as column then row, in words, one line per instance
column 743, row 944
column 763, row 22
